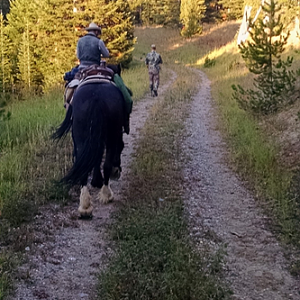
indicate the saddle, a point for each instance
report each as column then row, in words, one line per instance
column 93, row 73
column 94, row 70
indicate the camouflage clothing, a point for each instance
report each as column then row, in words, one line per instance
column 153, row 60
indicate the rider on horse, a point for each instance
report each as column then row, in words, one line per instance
column 90, row 50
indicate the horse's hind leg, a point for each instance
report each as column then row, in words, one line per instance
column 106, row 195
column 85, row 206
column 97, row 180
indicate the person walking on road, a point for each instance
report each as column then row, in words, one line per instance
column 153, row 62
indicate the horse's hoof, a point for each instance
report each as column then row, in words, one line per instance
column 85, row 213
column 104, row 200
column 106, row 195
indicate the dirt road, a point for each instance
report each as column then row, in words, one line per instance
column 223, row 212
column 64, row 261
column 67, row 253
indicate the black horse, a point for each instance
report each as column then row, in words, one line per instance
column 96, row 117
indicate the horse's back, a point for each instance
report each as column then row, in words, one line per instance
column 101, row 104
column 104, row 96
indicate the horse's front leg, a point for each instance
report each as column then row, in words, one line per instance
column 85, row 206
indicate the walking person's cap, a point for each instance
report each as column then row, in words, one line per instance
column 153, row 46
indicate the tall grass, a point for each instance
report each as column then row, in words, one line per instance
column 26, row 147
column 136, row 79
column 27, row 169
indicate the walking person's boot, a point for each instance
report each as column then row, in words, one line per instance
column 151, row 90
column 155, row 88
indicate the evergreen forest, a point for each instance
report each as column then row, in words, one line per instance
column 38, row 38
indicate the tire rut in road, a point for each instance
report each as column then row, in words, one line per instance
column 218, row 204
column 64, row 260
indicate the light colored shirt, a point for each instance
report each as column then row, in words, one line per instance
column 90, row 50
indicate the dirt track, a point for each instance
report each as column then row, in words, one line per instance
column 67, row 254
column 223, row 212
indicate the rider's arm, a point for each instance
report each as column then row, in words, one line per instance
column 103, row 49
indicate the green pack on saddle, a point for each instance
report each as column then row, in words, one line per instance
column 126, row 93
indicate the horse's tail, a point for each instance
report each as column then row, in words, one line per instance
column 91, row 152
column 65, row 126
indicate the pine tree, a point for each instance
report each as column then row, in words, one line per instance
column 118, row 31
column 233, row 9
column 5, row 67
column 171, row 12
column 58, row 31
column 158, row 12
column 22, row 20
column 165, row 12
column 25, row 60
column 191, row 14
column 4, row 70
column 213, row 11
column 147, row 11
column 136, row 9
column 262, row 54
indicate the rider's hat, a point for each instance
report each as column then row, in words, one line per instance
column 153, row 46
column 93, row 26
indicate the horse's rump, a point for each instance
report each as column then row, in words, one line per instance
column 101, row 98
column 97, row 121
